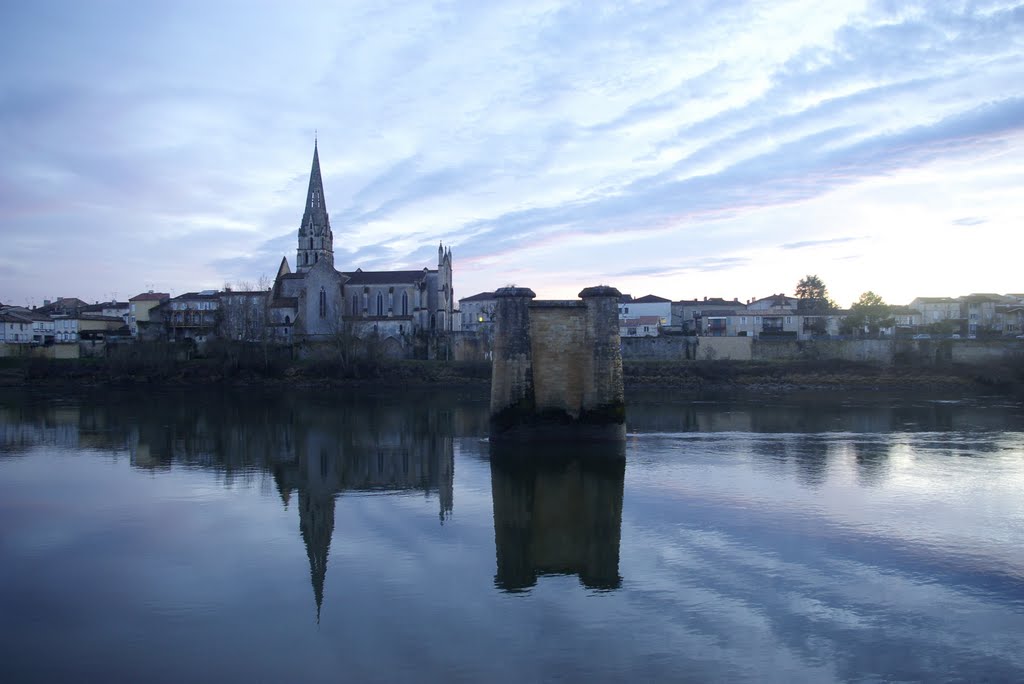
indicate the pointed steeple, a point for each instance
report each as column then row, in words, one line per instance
column 316, row 241
column 315, row 194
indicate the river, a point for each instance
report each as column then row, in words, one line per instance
column 209, row 535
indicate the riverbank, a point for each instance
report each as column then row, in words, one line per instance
column 689, row 376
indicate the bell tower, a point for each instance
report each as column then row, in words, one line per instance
column 316, row 242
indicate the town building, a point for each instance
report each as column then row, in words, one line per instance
column 139, row 308
column 477, row 312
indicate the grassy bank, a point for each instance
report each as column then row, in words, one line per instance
column 697, row 376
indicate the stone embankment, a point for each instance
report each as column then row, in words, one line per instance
column 684, row 376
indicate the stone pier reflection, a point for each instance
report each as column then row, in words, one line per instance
column 557, row 513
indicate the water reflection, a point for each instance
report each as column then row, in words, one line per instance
column 789, row 542
column 315, row 447
column 361, row 451
column 809, row 413
column 557, row 511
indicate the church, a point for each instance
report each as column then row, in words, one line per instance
column 409, row 313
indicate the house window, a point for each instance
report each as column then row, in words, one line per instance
column 380, row 304
column 323, row 303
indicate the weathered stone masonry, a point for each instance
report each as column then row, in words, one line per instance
column 557, row 367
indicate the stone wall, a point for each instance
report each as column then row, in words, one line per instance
column 725, row 348
column 871, row 351
column 660, row 348
column 988, row 351
column 884, row 352
column 558, row 344
column 472, row 345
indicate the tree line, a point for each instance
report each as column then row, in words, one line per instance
column 868, row 315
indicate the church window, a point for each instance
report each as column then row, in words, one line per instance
column 405, row 303
column 311, row 243
column 355, row 304
column 380, row 304
column 323, row 303
column 317, row 255
column 287, row 320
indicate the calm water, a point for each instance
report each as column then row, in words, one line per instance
column 204, row 536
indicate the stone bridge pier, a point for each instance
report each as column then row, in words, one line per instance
column 557, row 367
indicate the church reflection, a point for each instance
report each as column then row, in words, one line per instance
column 377, row 450
column 557, row 511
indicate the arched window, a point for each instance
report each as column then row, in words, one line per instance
column 311, row 243
column 380, row 304
column 317, row 256
column 323, row 303
column 287, row 320
column 405, row 303
column 355, row 305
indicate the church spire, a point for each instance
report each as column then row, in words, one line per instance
column 316, row 242
column 315, row 194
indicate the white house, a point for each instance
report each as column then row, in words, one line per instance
column 648, row 305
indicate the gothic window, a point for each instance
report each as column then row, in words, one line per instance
column 405, row 303
column 355, row 304
column 287, row 320
column 323, row 303
column 317, row 256
column 380, row 304
column 311, row 243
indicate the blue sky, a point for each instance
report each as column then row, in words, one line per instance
column 685, row 149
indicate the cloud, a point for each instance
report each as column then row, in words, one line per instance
column 969, row 221
column 803, row 244
column 498, row 129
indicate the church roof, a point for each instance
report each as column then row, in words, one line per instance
column 361, row 277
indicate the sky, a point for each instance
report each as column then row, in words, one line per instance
column 679, row 148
